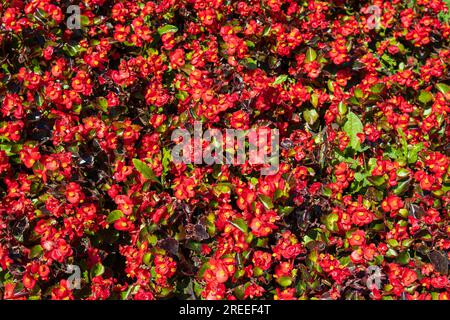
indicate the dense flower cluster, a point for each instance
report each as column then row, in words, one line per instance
column 359, row 208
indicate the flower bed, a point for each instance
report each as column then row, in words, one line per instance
column 94, row 207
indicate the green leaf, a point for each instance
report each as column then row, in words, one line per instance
column 403, row 258
column 39, row 99
column 330, row 85
column 266, row 201
column 284, row 211
column 71, row 50
column 284, row 281
column 310, row 116
column 403, row 173
column 114, row 215
column 146, row 258
column 402, row 187
column 353, row 100
column 250, row 44
column 280, row 79
column 342, row 108
column 353, row 163
column 331, row 221
column 97, row 270
column 327, row 192
column 222, row 188
column 307, row 239
column 345, row 260
column 393, row 152
column 181, row 95
column 103, row 103
column 239, row 292
column 377, row 180
column 167, row 28
column 389, row 60
column 84, row 20
column 146, row 234
column 377, row 88
column 311, row 55
column 392, row 242
column 240, row 224
column 352, row 127
column 407, row 242
column 35, row 251
column 203, row 269
column 314, row 100
column 166, row 160
column 250, row 63
column 403, row 141
column 187, row 68
column 425, row 97
column 145, row 170
column 378, row 227
column 442, row 87
column 414, row 152
column 361, row 176
column 261, row 242
column 358, row 93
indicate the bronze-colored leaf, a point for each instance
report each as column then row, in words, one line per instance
column 439, row 260
column 316, row 245
column 416, row 211
column 170, row 245
column 196, row 232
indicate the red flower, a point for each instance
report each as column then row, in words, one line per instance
column 392, row 204
column 74, row 194
column 288, row 247
column 217, row 272
column 408, row 277
column 286, row 294
column 357, row 238
column 239, row 120
column 177, row 58
column 253, row 291
column 361, row 217
column 123, row 224
column 62, row 291
column 29, row 155
column 28, row 281
column 262, row 259
column 125, row 204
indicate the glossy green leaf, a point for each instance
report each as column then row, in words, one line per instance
column 167, row 28
column 425, row 97
column 352, row 127
column 444, row 88
column 266, row 201
column 240, row 224
column 35, row 251
column 310, row 116
column 97, row 270
column 311, row 55
column 280, row 79
column 145, row 170
column 114, row 215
